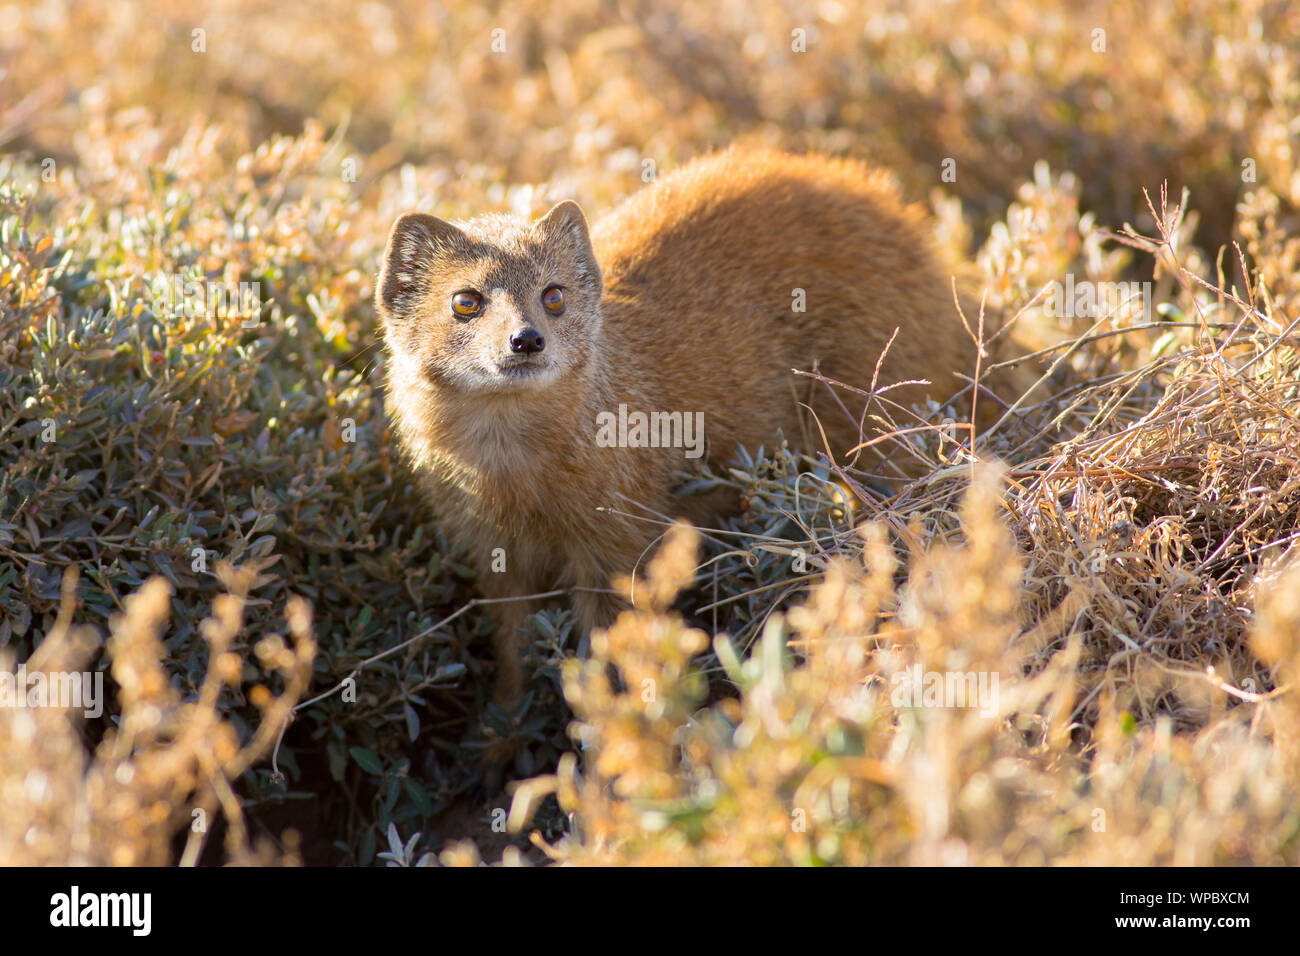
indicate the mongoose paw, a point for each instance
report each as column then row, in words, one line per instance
column 500, row 744
column 495, row 763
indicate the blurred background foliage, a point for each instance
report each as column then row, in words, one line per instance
column 243, row 142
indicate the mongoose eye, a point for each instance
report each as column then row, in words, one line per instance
column 553, row 299
column 466, row 304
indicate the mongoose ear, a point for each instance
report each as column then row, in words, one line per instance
column 566, row 222
column 413, row 244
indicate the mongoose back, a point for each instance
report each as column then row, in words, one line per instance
column 516, row 346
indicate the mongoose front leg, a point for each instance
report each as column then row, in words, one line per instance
column 596, row 601
column 510, row 611
column 595, row 608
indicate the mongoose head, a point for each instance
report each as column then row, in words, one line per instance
column 495, row 304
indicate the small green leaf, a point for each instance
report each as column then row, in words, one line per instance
column 367, row 760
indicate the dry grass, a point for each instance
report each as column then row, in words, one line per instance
column 1127, row 572
column 167, row 766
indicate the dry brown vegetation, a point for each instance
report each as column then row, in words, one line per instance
column 1118, row 550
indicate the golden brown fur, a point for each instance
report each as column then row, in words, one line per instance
column 694, row 313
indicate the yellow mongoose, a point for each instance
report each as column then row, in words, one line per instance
column 539, row 373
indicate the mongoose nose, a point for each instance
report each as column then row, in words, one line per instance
column 527, row 341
